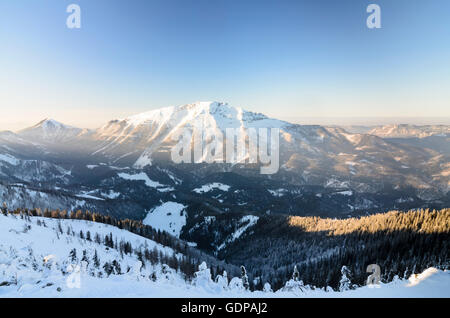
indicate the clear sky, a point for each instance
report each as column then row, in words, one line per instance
column 288, row 59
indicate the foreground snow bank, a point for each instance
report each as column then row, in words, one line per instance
column 124, row 286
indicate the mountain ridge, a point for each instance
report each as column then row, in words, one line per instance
column 323, row 170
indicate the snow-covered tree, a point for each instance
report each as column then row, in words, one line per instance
column 96, row 260
column 345, row 283
column 116, row 266
column 135, row 271
column 203, row 276
column 73, row 255
column 267, row 288
column 296, row 274
column 222, row 280
column 236, row 285
column 203, row 279
column 294, row 284
column 108, row 268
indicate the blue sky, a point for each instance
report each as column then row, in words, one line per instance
column 288, row 59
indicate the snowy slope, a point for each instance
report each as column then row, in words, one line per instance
column 32, row 170
column 212, row 186
column 169, row 217
column 35, row 259
column 140, row 177
column 245, row 223
column 152, row 131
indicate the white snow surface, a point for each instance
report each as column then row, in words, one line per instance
column 111, row 194
column 211, row 186
column 346, row 193
column 278, row 192
column 142, row 176
column 247, row 221
column 50, row 130
column 169, row 216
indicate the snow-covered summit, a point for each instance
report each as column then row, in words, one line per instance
column 152, row 131
column 49, row 130
column 207, row 112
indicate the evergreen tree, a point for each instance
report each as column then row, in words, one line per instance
column 84, row 258
column 244, row 277
column 96, row 260
column 108, row 268
column 296, row 274
column 73, row 255
column 116, row 267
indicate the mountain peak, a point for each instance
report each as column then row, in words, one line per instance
column 215, row 110
column 51, row 123
column 49, row 129
column 213, row 106
column 183, row 111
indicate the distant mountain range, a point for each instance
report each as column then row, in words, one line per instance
column 124, row 169
column 410, row 131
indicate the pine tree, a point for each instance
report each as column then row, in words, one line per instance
column 84, row 258
column 140, row 257
column 244, row 278
column 108, row 268
column 96, row 260
column 73, row 255
column 4, row 209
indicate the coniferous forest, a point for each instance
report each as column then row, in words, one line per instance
column 401, row 243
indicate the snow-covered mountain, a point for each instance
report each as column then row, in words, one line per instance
column 49, row 131
column 138, row 139
column 316, row 164
column 409, row 131
column 314, row 154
